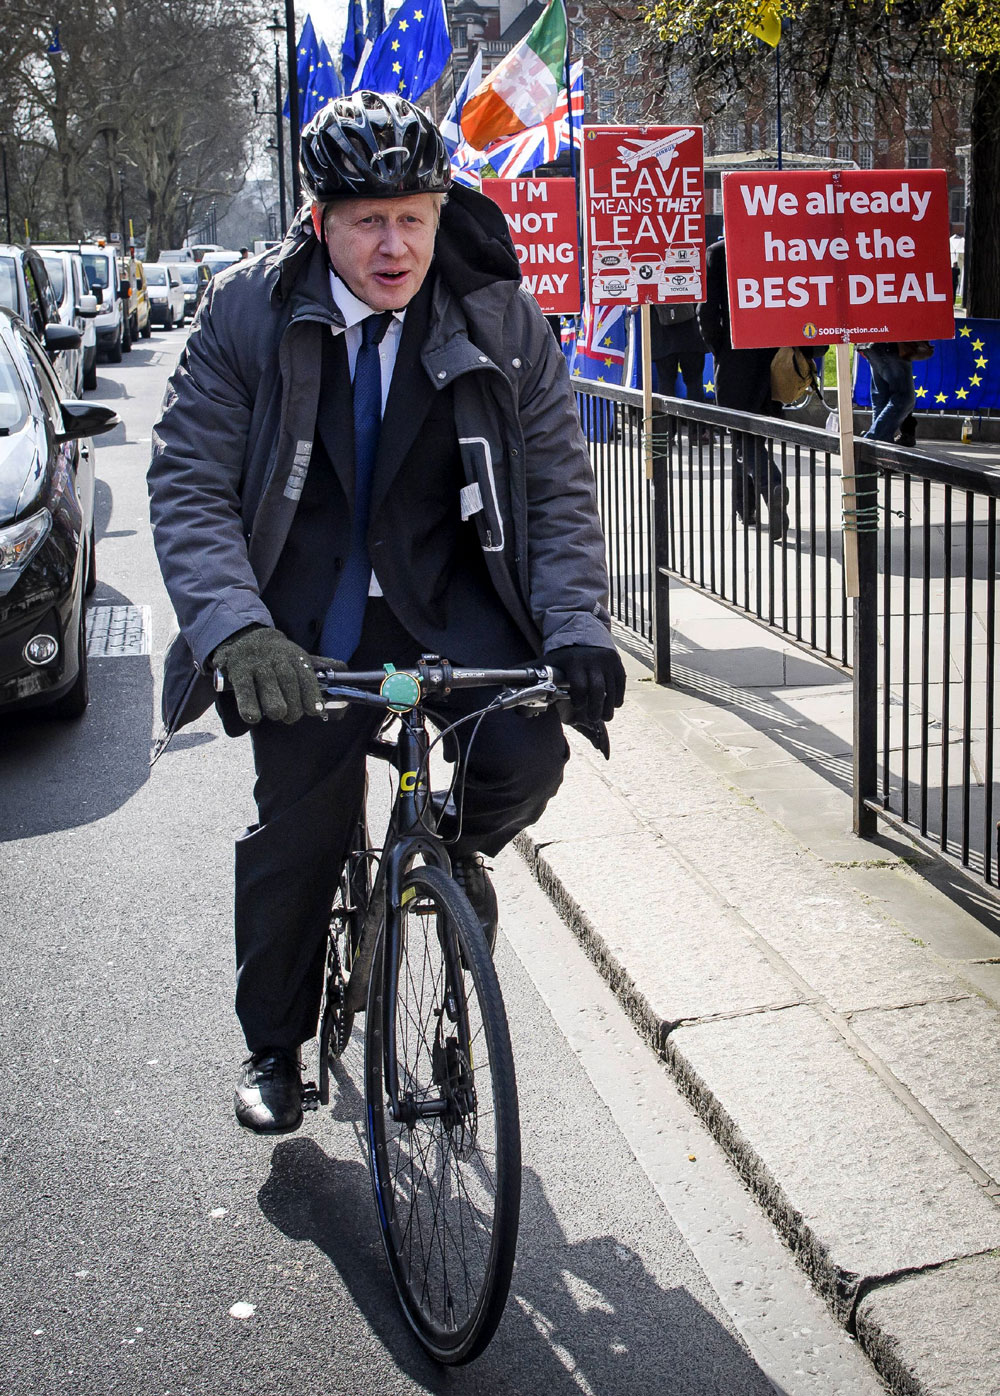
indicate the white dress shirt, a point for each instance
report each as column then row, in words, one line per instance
column 354, row 311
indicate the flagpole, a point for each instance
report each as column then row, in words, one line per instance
column 294, row 111
column 777, row 68
column 569, row 98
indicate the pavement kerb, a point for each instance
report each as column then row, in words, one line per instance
column 854, row 1294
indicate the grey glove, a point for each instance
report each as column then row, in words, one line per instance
column 269, row 674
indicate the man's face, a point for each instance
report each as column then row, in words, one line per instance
column 382, row 248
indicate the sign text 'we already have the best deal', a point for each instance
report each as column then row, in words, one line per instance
column 849, row 255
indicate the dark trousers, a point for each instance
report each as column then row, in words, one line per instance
column 691, row 367
column 743, row 382
column 310, row 783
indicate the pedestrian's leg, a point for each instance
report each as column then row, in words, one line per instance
column 898, row 394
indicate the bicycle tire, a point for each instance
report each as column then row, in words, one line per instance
column 447, row 1194
column 350, row 903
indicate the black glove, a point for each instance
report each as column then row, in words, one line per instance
column 269, row 674
column 595, row 677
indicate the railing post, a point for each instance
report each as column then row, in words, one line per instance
column 866, row 653
column 660, row 551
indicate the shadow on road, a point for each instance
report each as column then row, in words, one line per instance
column 59, row 774
column 583, row 1316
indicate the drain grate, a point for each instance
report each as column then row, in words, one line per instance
column 113, row 631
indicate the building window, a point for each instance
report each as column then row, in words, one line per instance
column 633, row 63
column 866, row 154
column 606, row 104
column 845, row 152
column 605, row 49
column 918, row 110
column 918, row 155
column 632, row 109
column 956, row 204
column 459, row 36
column 732, row 139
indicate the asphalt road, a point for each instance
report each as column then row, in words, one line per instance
column 135, row 1214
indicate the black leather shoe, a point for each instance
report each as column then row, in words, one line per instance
column 777, row 514
column 471, row 875
column 269, row 1092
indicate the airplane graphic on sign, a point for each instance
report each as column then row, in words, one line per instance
column 663, row 150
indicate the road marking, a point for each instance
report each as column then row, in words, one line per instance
column 116, row 631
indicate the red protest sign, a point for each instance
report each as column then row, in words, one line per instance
column 541, row 215
column 643, row 214
column 837, row 255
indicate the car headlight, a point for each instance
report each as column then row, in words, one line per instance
column 20, row 541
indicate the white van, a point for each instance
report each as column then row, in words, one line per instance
column 77, row 305
column 100, row 262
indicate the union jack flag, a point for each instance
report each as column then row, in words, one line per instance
column 536, row 145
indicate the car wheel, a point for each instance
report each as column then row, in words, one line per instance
column 168, row 320
column 126, row 335
column 90, row 376
column 90, row 577
column 146, row 330
column 74, row 702
column 115, row 351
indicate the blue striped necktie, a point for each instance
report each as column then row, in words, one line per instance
column 342, row 626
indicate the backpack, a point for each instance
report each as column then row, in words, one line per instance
column 793, row 375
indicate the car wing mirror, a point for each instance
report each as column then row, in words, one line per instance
column 86, row 419
column 59, row 337
column 88, row 306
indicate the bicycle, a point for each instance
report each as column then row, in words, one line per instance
column 441, row 1111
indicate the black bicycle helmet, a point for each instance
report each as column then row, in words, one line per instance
column 372, row 145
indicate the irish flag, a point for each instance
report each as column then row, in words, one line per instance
column 524, row 88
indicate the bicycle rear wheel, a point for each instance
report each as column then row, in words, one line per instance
column 447, row 1185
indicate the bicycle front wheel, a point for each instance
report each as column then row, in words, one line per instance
column 446, row 1172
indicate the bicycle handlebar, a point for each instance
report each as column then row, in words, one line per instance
column 529, row 682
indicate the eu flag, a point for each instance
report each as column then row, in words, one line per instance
column 317, row 76
column 411, row 53
column 354, row 43
column 376, row 19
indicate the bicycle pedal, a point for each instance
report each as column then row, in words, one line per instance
column 310, row 1096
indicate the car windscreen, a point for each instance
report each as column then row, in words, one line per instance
column 13, row 401
column 187, row 272
column 57, row 275
column 156, row 276
column 96, row 268
column 8, row 283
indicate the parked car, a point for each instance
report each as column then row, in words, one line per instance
column 100, row 262
column 189, row 274
column 25, row 288
column 166, row 294
column 136, row 299
column 77, row 307
column 48, row 561
column 198, row 249
column 218, row 260
column 177, row 254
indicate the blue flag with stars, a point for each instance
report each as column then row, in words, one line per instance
column 411, row 52
column 317, row 76
column 354, row 43
column 962, row 376
column 376, row 19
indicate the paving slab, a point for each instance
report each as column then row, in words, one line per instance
column 857, row 1186
column 937, row 1334
column 946, row 1054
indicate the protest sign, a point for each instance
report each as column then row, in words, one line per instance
column 858, row 255
column 643, row 214
column 541, row 215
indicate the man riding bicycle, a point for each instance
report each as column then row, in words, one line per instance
column 370, row 450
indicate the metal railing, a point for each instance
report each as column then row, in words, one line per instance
column 921, row 640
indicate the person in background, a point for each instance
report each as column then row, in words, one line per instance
column 677, row 347
column 893, row 393
column 743, row 382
